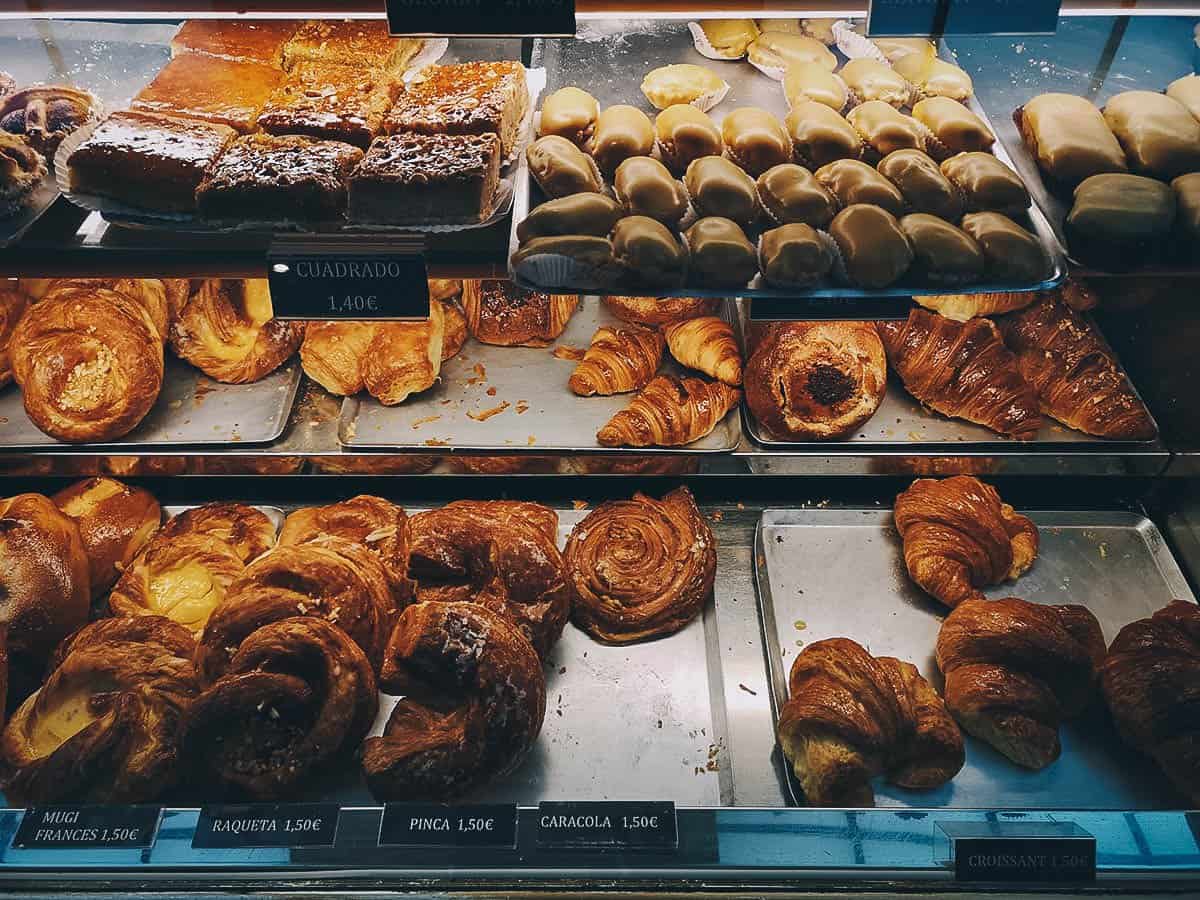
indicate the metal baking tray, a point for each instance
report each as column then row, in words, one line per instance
column 191, row 410
column 483, row 378
column 13, row 228
column 609, row 60
column 1113, row 562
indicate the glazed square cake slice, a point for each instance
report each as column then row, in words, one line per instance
column 258, row 41
column 210, row 89
column 366, row 45
column 149, row 161
column 269, row 178
column 467, row 98
column 337, row 103
column 410, row 178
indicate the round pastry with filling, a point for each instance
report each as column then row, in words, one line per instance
column 46, row 113
column 942, row 254
column 820, row 135
column 790, row 193
column 920, row 180
column 794, row 256
column 719, row 253
column 561, row 169
column 622, row 131
column 755, row 139
column 648, row 252
column 571, row 113
column 685, row 134
column 719, row 188
column 986, row 184
column 644, row 187
column 854, row 182
column 875, row 251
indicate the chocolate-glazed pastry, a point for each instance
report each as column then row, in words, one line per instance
column 570, row 113
column 686, row 134
column 986, row 184
column 1013, row 254
column 775, row 50
column 875, row 250
column 811, row 81
column 856, row 182
column 648, row 252
column 47, row 113
column 955, row 126
column 925, row 188
column 1119, row 221
column 588, row 213
column 1069, row 138
column 644, row 187
column 884, row 130
column 933, row 77
column 591, row 253
column 621, row 132
column 719, row 188
column 791, row 193
column 561, row 169
column 1187, row 214
column 755, row 139
column 869, row 79
column 720, row 254
column 1186, row 90
column 794, row 256
column 942, row 254
column 820, row 135
column 1158, row 134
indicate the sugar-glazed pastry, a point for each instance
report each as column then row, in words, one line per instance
column 1160, row 137
column 791, row 193
column 1014, row 256
column 1186, row 90
column 956, row 127
column 571, row 113
column 1069, row 138
column 719, row 253
column 755, row 139
column 719, row 188
column 853, row 182
column 895, row 48
column 621, row 132
column 561, row 169
column 648, row 252
column 685, row 134
column 586, row 213
column 644, row 187
column 920, row 180
column 869, row 79
column 942, row 254
column 684, row 83
column 729, row 38
column 774, row 51
column 812, row 81
column 934, row 77
column 987, row 184
column 820, row 135
column 884, row 130
column 794, row 256
column 875, row 250
column 1119, row 221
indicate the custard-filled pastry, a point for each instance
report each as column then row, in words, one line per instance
column 812, row 81
column 670, row 412
column 719, row 188
column 730, row 38
column 619, row 360
column 641, row 568
column 228, row 331
column 816, row 380
column 1016, row 670
column 884, row 130
column 247, row 531
column 685, row 134
column 794, row 255
column 820, row 135
column 405, row 358
column 13, row 305
column 790, row 193
column 655, row 311
column 922, row 183
column 1187, row 213
column 500, row 313
column 851, row 717
column 719, row 253
column 104, row 727
column 986, row 184
column 579, row 214
column 869, row 79
column 644, row 187
column 934, row 77
column 776, row 51
column 1160, row 137
column 1186, row 90
column 457, row 725
column 571, row 113
column 1119, row 221
column 622, row 131
column 708, row 345
column 942, row 253
column 755, row 139
column 1069, row 138
column 684, row 83
column 561, row 169
column 1013, row 254
column 875, row 250
column 648, row 253
column 956, row 128
column 852, row 181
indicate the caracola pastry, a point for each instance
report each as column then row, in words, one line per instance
column 670, row 412
column 502, row 314
column 618, row 360
column 221, row 91
column 656, row 311
column 707, row 344
column 246, row 530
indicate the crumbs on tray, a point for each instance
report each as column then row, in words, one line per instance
column 486, row 414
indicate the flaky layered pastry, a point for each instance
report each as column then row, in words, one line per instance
column 617, row 361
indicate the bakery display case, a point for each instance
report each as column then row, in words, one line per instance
column 739, row 449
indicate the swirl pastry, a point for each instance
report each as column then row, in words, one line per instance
column 708, row 345
column 960, row 536
column 670, row 412
column 104, row 727
column 474, row 699
column 13, row 305
column 500, row 313
column 46, row 113
column 641, row 568
column 161, row 304
column 247, row 531
column 619, row 360
column 296, row 694
column 655, row 311
column 852, row 716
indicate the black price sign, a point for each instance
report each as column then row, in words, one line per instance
column 607, row 825
column 87, row 828
column 266, row 825
column 516, row 18
column 1050, row 860
column 924, row 18
column 434, row 825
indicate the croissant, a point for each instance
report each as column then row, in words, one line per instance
column 228, row 331
column 640, row 568
column 500, row 313
column 963, row 371
column 472, row 705
column 405, row 358
column 963, row 307
column 1015, row 670
column 851, row 716
column 296, row 694
column 13, row 305
column 104, row 727
column 89, row 362
column 708, row 345
column 655, row 312
column 959, row 536
column 1151, row 681
column 670, row 412
column 499, row 554
column 619, row 360
column 1075, row 374
column 247, row 531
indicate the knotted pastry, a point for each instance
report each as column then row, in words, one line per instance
column 1075, row 374
column 473, row 702
column 987, row 184
column 851, row 716
column 641, row 568
column 1069, row 138
column 560, row 168
column 684, row 134
column 1151, row 681
column 852, row 181
column 959, row 536
column 816, row 380
column 957, row 128
column 570, row 113
column 962, row 370
column 46, row 113
column 922, row 183
column 875, row 251
column 648, row 253
column 1158, row 134
column 104, row 727
column 499, row 554
column 656, row 311
column 297, row 694
column 645, row 188
column 619, row 360
column 719, row 253
column 115, row 521
column 719, row 188
column 670, row 412
column 621, row 131
column 821, row 135
column 869, row 79
column 942, row 254
column 708, row 345
column 500, row 313
column 812, row 81
column 884, row 130
column 1016, row 670
column 13, row 305
column 228, row 331
column 89, row 362
column 790, row 193
column 247, row 531
column 794, row 256
column 755, row 140
column 1013, row 254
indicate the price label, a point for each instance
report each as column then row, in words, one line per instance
column 433, row 825
column 87, row 828
column 266, row 825
column 924, row 18
column 514, row 18
column 607, row 826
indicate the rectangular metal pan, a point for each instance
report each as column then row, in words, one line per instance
column 191, row 410
column 824, row 573
column 483, row 378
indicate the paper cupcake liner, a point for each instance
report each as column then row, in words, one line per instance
column 775, row 73
column 555, row 272
column 855, row 45
column 704, row 47
column 707, row 101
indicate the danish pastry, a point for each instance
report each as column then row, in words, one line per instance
column 820, row 135
column 571, row 113
column 685, row 134
column 684, row 83
column 500, row 313
column 246, row 530
column 755, row 139
column 719, row 253
column 645, row 188
column 115, row 521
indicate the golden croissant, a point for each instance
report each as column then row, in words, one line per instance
column 619, row 360
column 708, row 345
column 670, row 412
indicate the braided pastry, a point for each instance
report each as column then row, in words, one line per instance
column 499, row 554
column 297, row 694
column 104, row 727
column 619, row 360
column 959, row 536
column 708, row 345
column 12, row 306
column 670, row 412
column 851, row 716
column 1151, row 680
column 474, row 698
column 1015, row 670
column 640, row 568
column 500, row 313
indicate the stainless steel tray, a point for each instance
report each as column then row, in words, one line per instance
column 825, row 573
column 483, row 378
column 191, row 410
